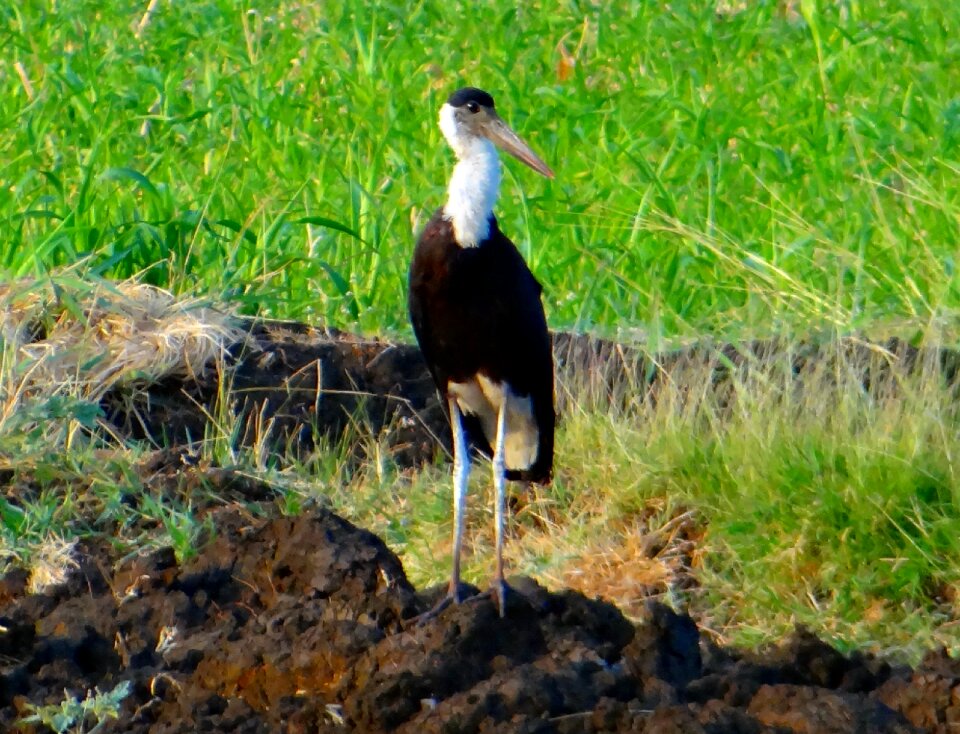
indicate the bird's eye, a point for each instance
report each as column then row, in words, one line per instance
column 473, row 107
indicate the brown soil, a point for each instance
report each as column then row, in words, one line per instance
column 305, row 624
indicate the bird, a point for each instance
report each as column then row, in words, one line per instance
column 478, row 317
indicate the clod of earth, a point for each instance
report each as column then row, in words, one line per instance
column 302, row 625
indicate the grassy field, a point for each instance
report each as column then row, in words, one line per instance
column 724, row 170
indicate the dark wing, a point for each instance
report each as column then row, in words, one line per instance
column 427, row 294
column 524, row 354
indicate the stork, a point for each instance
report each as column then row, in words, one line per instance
column 478, row 318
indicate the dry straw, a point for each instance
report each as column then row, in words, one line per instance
column 87, row 339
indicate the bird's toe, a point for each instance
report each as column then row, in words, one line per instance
column 501, row 591
column 454, row 595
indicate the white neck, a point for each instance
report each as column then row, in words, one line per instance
column 474, row 185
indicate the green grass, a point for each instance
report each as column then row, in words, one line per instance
column 716, row 173
column 789, row 168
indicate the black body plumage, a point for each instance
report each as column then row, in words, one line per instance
column 478, row 310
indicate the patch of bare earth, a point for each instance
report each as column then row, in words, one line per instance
column 303, row 624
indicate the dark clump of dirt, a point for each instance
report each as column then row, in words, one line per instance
column 306, row 624
column 290, row 385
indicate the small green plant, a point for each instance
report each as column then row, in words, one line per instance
column 30, row 427
column 182, row 528
column 72, row 714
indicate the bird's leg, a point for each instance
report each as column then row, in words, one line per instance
column 500, row 491
column 461, row 472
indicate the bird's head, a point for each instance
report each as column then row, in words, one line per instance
column 469, row 117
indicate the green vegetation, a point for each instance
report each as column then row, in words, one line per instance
column 718, row 171
column 830, row 505
column 782, row 168
column 71, row 715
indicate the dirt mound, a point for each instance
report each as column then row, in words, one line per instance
column 304, row 624
column 290, row 385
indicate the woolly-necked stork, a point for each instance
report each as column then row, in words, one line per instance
column 478, row 317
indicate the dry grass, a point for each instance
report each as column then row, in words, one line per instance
column 67, row 342
column 88, row 339
column 633, row 564
column 51, row 562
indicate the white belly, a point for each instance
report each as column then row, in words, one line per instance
column 484, row 398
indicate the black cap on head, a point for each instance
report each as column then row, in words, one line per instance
column 470, row 94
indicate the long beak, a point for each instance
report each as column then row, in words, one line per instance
column 501, row 135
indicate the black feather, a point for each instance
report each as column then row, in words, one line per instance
column 470, row 94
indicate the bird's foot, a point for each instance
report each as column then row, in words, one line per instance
column 422, row 619
column 455, row 595
column 501, row 592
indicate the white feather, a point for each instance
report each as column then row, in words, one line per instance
column 484, row 398
column 475, row 183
